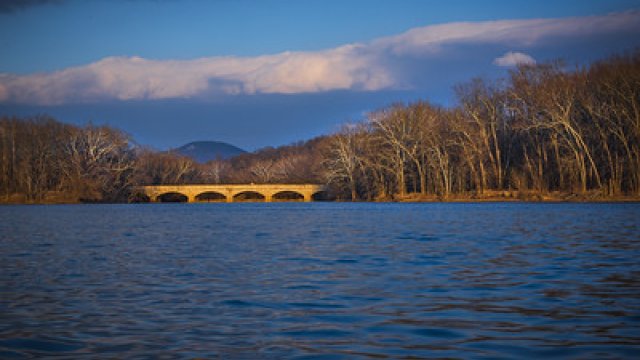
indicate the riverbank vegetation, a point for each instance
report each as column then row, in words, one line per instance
column 546, row 132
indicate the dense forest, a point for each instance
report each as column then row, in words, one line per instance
column 545, row 131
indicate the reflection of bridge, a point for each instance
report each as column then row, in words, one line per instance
column 231, row 193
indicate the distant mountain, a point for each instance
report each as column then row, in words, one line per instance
column 203, row 151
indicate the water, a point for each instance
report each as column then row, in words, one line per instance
column 320, row 281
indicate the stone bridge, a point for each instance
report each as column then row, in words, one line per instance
column 231, row 193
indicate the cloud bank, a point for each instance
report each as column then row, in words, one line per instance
column 368, row 66
column 513, row 59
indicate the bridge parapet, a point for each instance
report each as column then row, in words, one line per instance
column 229, row 191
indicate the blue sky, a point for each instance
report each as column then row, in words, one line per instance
column 267, row 73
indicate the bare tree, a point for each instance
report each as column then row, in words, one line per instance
column 482, row 129
column 343, row 163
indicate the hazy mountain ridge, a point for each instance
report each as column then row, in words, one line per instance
column 203, row 151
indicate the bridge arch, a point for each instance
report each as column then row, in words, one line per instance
column 321, row 195
column 211, row 196
column 172, row 197
column 249, row 196
column 288, row 195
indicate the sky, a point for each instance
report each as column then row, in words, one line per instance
column 268, row 73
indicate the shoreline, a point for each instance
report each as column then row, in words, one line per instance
column 515, row 196
column 406, row 199
column 503, row 196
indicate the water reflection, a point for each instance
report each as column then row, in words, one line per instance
column 321, row 280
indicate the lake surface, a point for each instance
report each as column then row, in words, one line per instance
column 320, row 281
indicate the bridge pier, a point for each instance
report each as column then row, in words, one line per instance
column 268, row 196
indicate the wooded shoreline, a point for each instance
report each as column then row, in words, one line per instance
column 545, row 133
column 504, row 197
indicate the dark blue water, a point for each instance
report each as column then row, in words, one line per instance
column 320, row 281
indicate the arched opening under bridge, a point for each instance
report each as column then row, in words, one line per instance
column 211, row 196
column 249, row 196
column 288, row 196
column 321, row 196
column 173, row 197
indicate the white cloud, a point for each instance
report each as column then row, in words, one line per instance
column 431, row 39
column 128, row 78
column 358, row 67
column 514, row 58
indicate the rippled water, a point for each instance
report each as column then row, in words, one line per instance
column 320, row 280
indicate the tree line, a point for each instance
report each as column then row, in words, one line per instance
column 545, row 129
column 43, row 160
